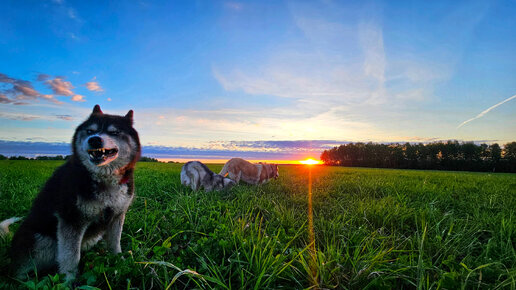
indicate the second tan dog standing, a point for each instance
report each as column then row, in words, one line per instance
column 240, row 169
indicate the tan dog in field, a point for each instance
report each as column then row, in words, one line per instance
column 240, row 169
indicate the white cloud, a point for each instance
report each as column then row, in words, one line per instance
column 94, row 86
column 60, row 86
column 78, row 98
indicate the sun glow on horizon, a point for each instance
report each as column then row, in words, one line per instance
column 310, row 161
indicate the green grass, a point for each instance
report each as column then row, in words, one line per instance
column 373, row 228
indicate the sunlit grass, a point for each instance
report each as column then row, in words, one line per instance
column 371, row 228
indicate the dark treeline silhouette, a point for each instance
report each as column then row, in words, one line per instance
column 60, row 157
column 450, row 155
column 147, row 159
column 57, row 157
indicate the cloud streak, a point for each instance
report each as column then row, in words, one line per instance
column 65, row 117
column 18, row 117
column 486, row 111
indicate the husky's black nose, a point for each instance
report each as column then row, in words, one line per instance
column 95, row 142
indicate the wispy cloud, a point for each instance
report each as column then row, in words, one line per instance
column 334, row 65
column 18, row 117
column 371, row 40
column 65, row 117
column 20, row 91
column 73, row 36
column 67, row 10
column 273, row 146
column 341, row 79
column 94, row 86
column 43, row 77
column 72, row 13
column 236, row 6
column 183, row 126
column 5, row 100
column 486, row 111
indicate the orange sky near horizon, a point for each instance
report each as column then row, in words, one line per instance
column 223, row 161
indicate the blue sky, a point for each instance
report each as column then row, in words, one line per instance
column 230, row 75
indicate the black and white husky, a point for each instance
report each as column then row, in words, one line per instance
column 197, row 175
column 84, row 201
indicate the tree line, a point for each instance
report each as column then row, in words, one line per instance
column 450, row 155
column 61, row 157
column 57, row 157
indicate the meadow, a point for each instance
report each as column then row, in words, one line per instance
column 362, row 228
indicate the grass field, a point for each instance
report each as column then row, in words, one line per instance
column 372, row 228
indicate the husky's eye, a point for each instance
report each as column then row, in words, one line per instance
column 89, row 132
column 114, row 133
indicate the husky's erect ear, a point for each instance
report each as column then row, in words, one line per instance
column 129, row 116
column 97, row 110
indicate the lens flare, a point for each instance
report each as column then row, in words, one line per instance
column 310, row 161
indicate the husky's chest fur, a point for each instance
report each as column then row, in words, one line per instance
column 115, row 198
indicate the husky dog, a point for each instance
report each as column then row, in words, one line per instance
column 197, row 175
column 84, row 201
column 240, row 169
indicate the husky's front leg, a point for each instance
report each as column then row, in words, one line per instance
column 114, row 232
column 69, row 240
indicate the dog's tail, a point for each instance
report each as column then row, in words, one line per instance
column 4, row 225
column 224, row 170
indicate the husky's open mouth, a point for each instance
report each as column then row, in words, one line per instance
column 101, row 155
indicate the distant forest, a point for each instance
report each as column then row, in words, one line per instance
column 450, row 155
column 61, row 157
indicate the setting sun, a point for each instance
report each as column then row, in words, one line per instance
column 310, row 161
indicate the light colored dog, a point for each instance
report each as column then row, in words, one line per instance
column 240, row 169
column 197, row 175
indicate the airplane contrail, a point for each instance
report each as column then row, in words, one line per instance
column 486, row 111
